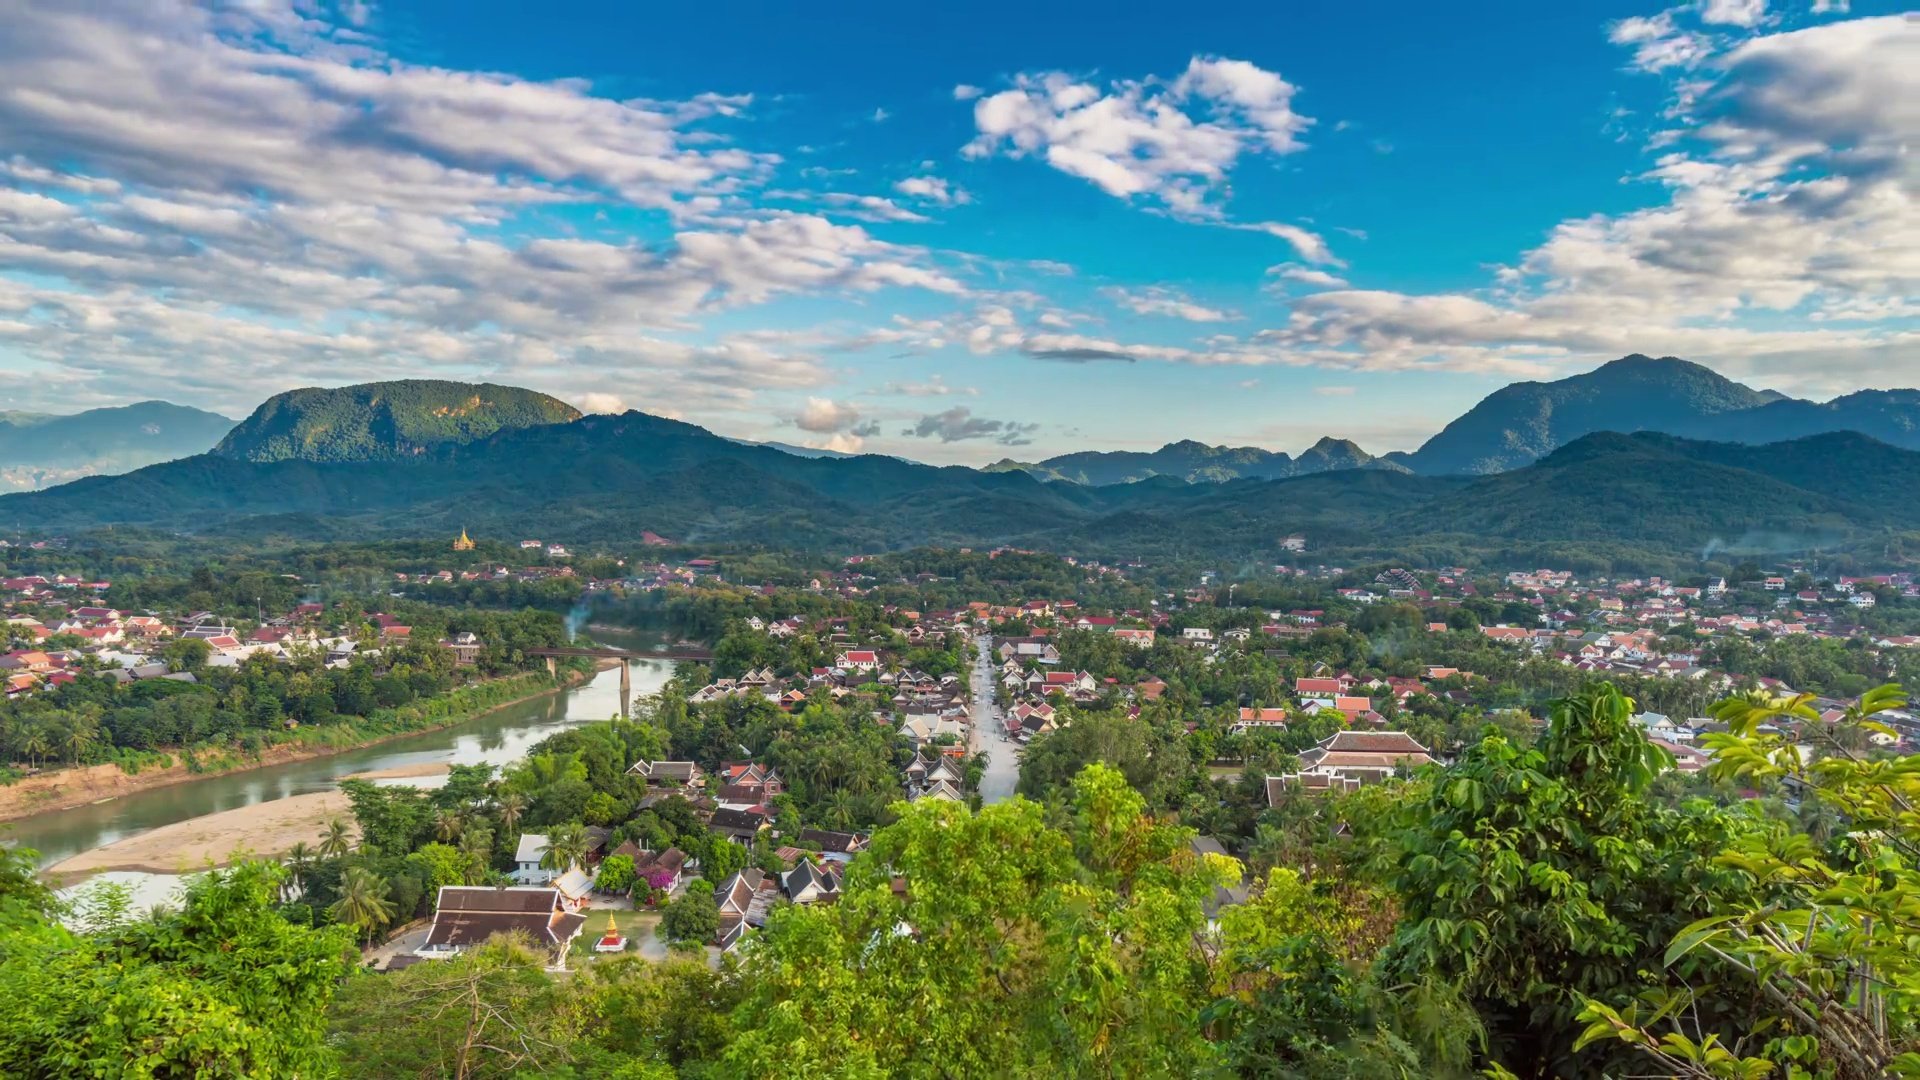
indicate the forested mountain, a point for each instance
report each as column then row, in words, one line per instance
column 39, row 450
column 1519, row 423
column 385, row 420
column 607, row 478
column 1892, row 416
column 1196, row 462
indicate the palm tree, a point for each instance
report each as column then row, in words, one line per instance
column 299, row 861
column 78, row 737
column 566, row 846
column 33, row 740
column 334, row 843
column 476, row 845
column 447, row 825
column 511, row 807
column 841, row 807
column 363, row 902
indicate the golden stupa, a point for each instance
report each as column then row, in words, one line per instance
column 463, row 544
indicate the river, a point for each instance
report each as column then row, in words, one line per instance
column 496, row 738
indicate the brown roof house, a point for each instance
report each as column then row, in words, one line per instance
column 467, row 915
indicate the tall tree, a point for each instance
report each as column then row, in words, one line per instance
column 363, row 903
column 1540, row 879
column 337, row 841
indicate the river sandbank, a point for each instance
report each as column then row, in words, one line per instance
column 266, row 829
column 64, row 789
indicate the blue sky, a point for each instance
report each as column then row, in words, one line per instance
column 956, row 235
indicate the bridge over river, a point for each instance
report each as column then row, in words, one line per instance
column 553, row 653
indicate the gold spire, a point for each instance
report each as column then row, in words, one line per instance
column 463, row 544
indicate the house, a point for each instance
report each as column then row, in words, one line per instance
column 807, row 883
column 744, row 900
column 1251, row 719
column 1197, row 633
column 669, row 773
column 1279, row 786
column 835, row 846
column 1139, row 639
column 465, row 647
column 858, row 660
column 526, row 860
column 739, row 825
column 467, row 915
column 664, row 870
column 1366, row 756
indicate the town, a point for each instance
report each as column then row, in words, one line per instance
column 1226, row 701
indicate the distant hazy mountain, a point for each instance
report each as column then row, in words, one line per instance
column 1522, row 422
column 385, row 420
column 796, row 450
column 1196, row 462
column 39, row 450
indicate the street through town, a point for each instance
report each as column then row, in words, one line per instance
column 989, row 735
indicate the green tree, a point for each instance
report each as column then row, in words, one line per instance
column 221, row 986
column 1540, row 879
column 979, row 916
column 616, row 874
column 566, row 847
column 1827, row 942
column 363, row 902
column 337, row 841
column 694, row 916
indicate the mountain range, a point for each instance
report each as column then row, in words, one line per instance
column 1196, row 462
column 1522, row 422
column 1606, row 498
column 38, row 450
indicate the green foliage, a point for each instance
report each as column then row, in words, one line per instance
column 1541, row 879
column 221, row 987
column 997, row 914
column 1827, row 942
column 616, row 874
column 693, row 917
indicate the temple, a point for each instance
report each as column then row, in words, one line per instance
column 463, row 544
column 611, row 941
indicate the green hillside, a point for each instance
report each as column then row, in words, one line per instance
column 385, row 420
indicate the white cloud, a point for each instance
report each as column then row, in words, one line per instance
column 1319, row 279
column 824, row 415
column 842, row 443
column 964, row 92
column 601, row 403
column 1170, row 143
column 1310, row 246
column 871, row 208
column 1165, row 301
column 279, row 200
column 1334, row 391
column 1744, row 13
column 934, row 386
column 881, row 115
column 933, row 189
